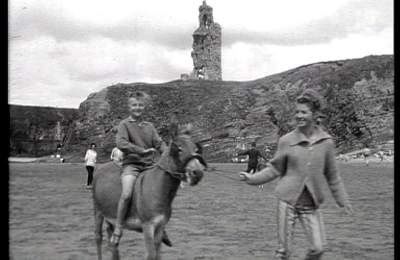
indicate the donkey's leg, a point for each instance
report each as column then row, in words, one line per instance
column 114, row 252
column 113, row 247
column 148, row 232
column 158, row 236
column 109, row 230
column 98, row 232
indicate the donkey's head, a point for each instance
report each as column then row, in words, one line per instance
column 186, row 154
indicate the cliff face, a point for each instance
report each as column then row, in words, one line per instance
column 228, row 115
column 36, row 131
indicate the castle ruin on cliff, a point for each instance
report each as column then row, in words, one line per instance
column 206, row 53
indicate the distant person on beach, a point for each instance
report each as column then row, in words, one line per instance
column 381, row 155
column 253, row 154
column 58, row 150
column 268, row 152
column 116, row 156
column 304, row 159
column 366, row 152
column 58, row 153
column 343, row 157
column 90, row 160
column 320, row 121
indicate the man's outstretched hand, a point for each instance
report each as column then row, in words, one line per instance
column 244, row 176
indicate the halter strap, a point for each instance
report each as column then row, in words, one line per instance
column 195, row 156
column 174, row 174
column 180, row 175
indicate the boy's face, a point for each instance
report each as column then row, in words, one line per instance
column 136, row 107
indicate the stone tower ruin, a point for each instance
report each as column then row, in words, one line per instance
column 206, row 53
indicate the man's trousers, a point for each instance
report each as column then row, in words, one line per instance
column 310, row 219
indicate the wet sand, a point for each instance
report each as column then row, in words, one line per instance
column 51, row 217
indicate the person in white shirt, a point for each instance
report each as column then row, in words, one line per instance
column 117, row 156
column 366, row 152
column 90, row 160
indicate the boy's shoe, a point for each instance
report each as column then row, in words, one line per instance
column 279, row 255
column 116, row 236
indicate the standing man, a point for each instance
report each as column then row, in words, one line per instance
column 90, row 159
column 253, row 154
column 303, row 162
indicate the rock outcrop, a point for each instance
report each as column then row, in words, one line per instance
column 227, row 115
column 36, row 131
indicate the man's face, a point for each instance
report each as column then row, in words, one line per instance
column 136, row 107
column 304, row 115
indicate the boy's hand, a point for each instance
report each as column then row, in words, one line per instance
column 244, row 176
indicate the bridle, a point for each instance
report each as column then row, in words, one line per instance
column 180, row 174
column 195, row 156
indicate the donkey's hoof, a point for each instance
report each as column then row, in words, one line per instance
column 165, row 239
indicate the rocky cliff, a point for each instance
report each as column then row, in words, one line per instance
column 230, row 115
column 36, row 131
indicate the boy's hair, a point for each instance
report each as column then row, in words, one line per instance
column 253, row 144
column 92, row 144
column 140, row 95
column 311, row 98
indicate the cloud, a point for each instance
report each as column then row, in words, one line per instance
column 244, row 61
column 105, row 59
column 45, row 71
column 143, row 23
column 356, row 17
column 43, row 19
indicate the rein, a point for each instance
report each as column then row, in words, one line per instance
column 223, row 176
column 181, row 175
column 177, row 175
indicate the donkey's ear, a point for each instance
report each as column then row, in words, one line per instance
column 187, row 129
column 173, row 130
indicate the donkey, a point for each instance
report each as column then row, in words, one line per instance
column 154, row 191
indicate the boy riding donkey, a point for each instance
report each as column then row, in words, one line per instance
column 138, row 140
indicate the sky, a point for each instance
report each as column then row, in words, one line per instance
column 61, row 51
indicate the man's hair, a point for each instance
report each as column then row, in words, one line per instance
column 253, row 144
column 311, row 98
column 92, row 144
column 140, row 95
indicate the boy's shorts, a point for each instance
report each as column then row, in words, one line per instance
column 131, row 170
